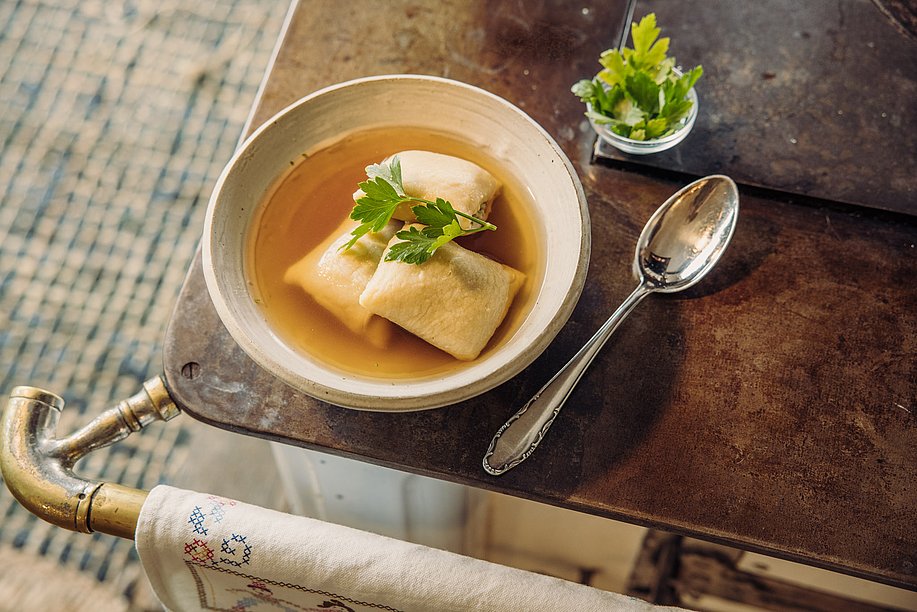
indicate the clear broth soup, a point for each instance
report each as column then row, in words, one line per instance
column 315, row 196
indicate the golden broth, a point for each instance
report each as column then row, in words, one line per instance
column 315, row 196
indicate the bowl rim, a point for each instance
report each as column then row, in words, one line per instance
column 394, row 401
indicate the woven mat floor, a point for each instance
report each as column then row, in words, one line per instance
column 116, row 120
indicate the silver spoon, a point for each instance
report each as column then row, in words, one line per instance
column 680, row 243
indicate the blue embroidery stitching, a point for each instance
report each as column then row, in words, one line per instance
column 217, row 512
column 197, row 519
column 226, row 548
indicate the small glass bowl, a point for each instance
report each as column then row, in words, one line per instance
column 645, row 147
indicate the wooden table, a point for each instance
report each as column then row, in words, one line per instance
column 772, row 407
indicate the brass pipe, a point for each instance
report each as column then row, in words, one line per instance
column 38, row 467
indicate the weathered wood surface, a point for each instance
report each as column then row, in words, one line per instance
column 771, row 407
column 813, row 98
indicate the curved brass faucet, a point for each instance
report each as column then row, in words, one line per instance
column 38, row 467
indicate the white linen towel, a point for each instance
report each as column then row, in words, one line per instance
column 203, row 552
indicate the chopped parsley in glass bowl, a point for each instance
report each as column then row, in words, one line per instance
column 640, row 102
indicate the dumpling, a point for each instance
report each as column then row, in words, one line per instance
column 455, row 300
column 468, row 187
column 335, row 278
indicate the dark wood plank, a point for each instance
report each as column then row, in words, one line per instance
column 771, row 407
column 813, row 98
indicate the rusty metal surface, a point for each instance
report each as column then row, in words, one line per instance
column 777, row 410
column 813, row 98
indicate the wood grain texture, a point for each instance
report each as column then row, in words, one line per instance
column 814, row 99
column 770, row 407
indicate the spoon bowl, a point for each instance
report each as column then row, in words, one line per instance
column 686, row 236
column 680, row 243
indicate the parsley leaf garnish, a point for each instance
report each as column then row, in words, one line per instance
column 417, row 245
column 383, row 192
column 637, row 94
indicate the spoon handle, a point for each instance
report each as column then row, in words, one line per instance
column 520, row 435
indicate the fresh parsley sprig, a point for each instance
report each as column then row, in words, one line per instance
column 638, row 94
column 383, row 192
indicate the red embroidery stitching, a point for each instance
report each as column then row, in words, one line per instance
column 199, row 551
column 206, row 605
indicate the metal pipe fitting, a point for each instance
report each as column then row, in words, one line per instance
column 38, row 467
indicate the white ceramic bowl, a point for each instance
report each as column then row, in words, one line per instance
column 462, row 111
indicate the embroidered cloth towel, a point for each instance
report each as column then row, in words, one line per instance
column 203, row 552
